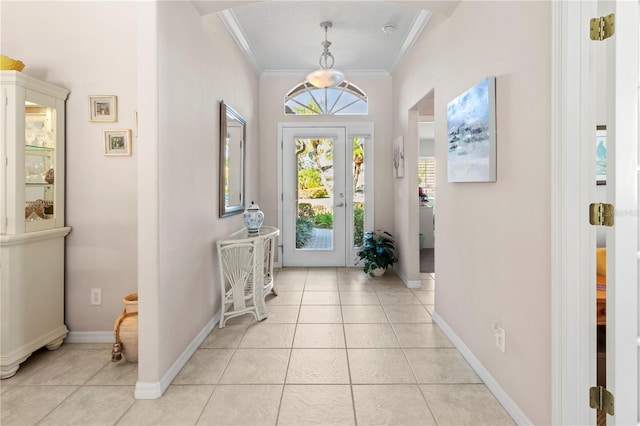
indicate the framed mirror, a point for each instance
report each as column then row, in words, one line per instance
column 232, row 153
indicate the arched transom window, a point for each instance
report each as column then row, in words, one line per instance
column 344, row 99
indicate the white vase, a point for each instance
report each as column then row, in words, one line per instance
column 378, row 272
column 253, row 218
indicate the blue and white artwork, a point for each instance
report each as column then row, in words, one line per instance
column 471, row 134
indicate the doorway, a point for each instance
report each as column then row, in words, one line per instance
column 427, row 194
column 326, row 187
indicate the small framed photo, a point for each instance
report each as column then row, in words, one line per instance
column 103, row 108
column 117, row 142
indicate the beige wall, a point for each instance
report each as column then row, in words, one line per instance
column 88, row 48
column 172, row 216
column 379, row 91
column 191, row 83
column 493, row 239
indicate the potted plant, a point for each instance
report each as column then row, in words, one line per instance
column 377, row 252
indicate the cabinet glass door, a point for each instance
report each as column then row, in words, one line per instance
column 39, row 166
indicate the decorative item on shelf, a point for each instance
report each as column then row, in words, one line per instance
column 377, row 251
column 35, row 210
column 10, row 64
column 126, row 331
column 253, row 218
column 48, row 177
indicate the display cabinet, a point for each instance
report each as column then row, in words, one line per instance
column 32, row 177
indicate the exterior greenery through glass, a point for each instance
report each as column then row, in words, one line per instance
column 344, row 99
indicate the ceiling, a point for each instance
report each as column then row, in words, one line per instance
column 282, row 38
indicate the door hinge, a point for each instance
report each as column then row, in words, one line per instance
column 601, row 399
column 602, row 28
column 601, row 214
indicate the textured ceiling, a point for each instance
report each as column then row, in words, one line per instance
column 283, row 37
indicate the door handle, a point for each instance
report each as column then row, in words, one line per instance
column 340, row 205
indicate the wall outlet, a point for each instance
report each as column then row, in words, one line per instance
column 96, row 296
column 499, row 334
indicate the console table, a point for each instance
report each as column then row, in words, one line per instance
column 246, row 272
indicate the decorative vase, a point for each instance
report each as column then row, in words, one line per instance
column 126, row 331
column 378, row 272
column 253, row 218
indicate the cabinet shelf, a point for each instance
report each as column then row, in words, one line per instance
column 36, row 148
column 38, row 184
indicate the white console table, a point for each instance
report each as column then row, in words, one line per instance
column 246, row 272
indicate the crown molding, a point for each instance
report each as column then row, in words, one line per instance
column 231, row 22
column 416, row 29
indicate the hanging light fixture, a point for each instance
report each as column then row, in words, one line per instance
column 326, row 76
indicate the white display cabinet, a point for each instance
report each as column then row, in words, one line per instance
column 32, row 222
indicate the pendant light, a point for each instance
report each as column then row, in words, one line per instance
column 326, row 76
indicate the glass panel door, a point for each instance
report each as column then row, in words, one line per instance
column 315, row 197
column 39, row 167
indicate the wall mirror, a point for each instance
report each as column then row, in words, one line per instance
column 232, row 153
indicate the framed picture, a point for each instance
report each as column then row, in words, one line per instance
column 471, row 134
column 398, row 157
column 117, row 142
column 601, row 155
column 103, row 108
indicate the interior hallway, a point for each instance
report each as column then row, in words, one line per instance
column 338, row 348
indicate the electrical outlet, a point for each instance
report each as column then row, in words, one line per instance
column 498, row 333
column 500, row 343
column 96, row 296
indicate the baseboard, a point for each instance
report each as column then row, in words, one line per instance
column 154, row 390
column 90, row 337
column 407, row 282
column 509, row 405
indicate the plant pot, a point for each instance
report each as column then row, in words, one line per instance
column 378, row 272
column 126, row 329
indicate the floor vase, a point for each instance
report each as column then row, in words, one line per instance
column 126, row 331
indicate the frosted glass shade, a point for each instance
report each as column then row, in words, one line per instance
column 325, row 77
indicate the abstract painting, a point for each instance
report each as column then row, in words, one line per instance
column 471, row 134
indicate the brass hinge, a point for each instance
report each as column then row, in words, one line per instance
column 601, row 214
column 602, row 28
column 601, row 399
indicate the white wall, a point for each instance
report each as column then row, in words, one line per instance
column 191, row 63
column 198, row 65
column 493, row 251
column 88, row 48
column 272, row 92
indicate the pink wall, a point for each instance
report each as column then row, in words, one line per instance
column 162, row 201
column 67, row 44
column 191, row 83
column 492, row 239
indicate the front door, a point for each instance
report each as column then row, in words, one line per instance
column 327, row 192
column 315, row 196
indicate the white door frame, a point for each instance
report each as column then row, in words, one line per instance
column 340, row 198
column 573, row 240
column 353, row 129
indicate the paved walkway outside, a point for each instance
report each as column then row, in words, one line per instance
column 322, row 239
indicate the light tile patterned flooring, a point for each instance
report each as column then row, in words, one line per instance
column 338, row 348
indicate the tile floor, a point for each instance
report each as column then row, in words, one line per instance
column 337, row 348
